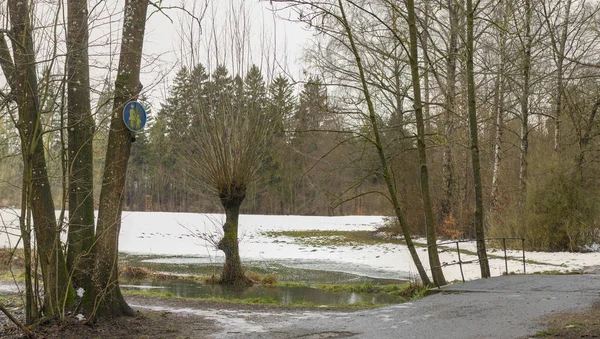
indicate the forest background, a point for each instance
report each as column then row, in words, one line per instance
column 537, row 73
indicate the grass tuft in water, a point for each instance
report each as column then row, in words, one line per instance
column 133, row 272
column 263, row 279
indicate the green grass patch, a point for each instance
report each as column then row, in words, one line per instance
column 17, row 275
column 556, row 272
column 542, row 334
column 317, row 238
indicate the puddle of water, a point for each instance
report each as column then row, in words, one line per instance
column 309, row 272
column 287, row 271
column 284, row 295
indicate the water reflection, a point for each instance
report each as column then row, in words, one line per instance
column 309, row 272
column 284, row 295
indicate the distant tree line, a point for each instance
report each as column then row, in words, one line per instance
column 296, row 178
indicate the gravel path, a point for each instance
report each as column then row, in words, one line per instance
column 501, row 307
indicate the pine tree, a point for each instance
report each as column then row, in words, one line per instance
column 220, row 91
column 312, row 106
column 281, row 104
column 255, row 91
column 280, row 108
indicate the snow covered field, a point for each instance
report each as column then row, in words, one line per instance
column 160, row 233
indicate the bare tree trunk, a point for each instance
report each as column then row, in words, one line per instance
column 584, row 139
column 426, row 88
column 525, row 111
column 434, row 260
column 233, row 273
column 479, row 225
column 106, row 295
column 446, row 205
column 31, row 305
column 499, row 109
column 560, row 58
column 380, row 151
column 23, row 81
column 81, row 167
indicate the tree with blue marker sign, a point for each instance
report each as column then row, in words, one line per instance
column 134, row 116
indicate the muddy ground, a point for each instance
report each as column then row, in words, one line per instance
column 147, row 324
column 157, row 318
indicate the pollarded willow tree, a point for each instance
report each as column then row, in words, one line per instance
column 229, row 141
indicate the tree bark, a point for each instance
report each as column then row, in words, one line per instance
column 560, row 59
column 584, row 139
column 499, row 108
column 499, row 99
column 448, row 183
column 380, row 151
column 31, row 301
column 434, row 260
column 426, row 98
column 31, row 306
column 233, row 273
column 479, row 217
column 23, row 80
column 525, row 111
column 80, row 152
column 106, row 295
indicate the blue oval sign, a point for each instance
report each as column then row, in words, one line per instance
column 134, row 116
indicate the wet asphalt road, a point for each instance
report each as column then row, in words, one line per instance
column 501, row 307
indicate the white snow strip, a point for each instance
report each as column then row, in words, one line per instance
column 159, row 233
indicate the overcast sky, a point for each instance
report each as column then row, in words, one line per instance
column 236, row 33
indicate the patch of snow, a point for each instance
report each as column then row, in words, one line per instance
column 159, row 233
column 595, row 247
column 226, row 318
column 143, row 287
